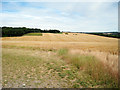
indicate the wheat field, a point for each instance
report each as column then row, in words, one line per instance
column 71, row 41
column 45, row 48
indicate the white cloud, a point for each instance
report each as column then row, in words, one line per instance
column 64, row 16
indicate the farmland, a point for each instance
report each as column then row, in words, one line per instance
column 50, row 60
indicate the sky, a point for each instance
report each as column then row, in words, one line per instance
column 64, row 16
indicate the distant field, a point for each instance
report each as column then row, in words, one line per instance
column 71, row 41
column 33, row 34
column 70, row 60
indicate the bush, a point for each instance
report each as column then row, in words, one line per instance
column 66, row 33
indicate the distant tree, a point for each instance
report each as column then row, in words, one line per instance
column 19, row 31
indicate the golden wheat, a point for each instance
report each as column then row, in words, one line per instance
column 57, row 41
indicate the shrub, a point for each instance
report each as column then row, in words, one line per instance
column 66, row 33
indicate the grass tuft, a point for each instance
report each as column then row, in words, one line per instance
column 63, row 51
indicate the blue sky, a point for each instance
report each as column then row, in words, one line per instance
column 65, row 16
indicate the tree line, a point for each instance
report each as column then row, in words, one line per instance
column 19, row 31
column 111, row 34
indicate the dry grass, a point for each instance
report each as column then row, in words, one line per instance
column 90, row 65
column 30, row 69
column 38, row 68
column 102, row 48
column 109, row 60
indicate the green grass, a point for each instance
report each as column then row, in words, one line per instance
column 63, row 51
column 58, row 33
column 27, row 48
column 33, row 34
